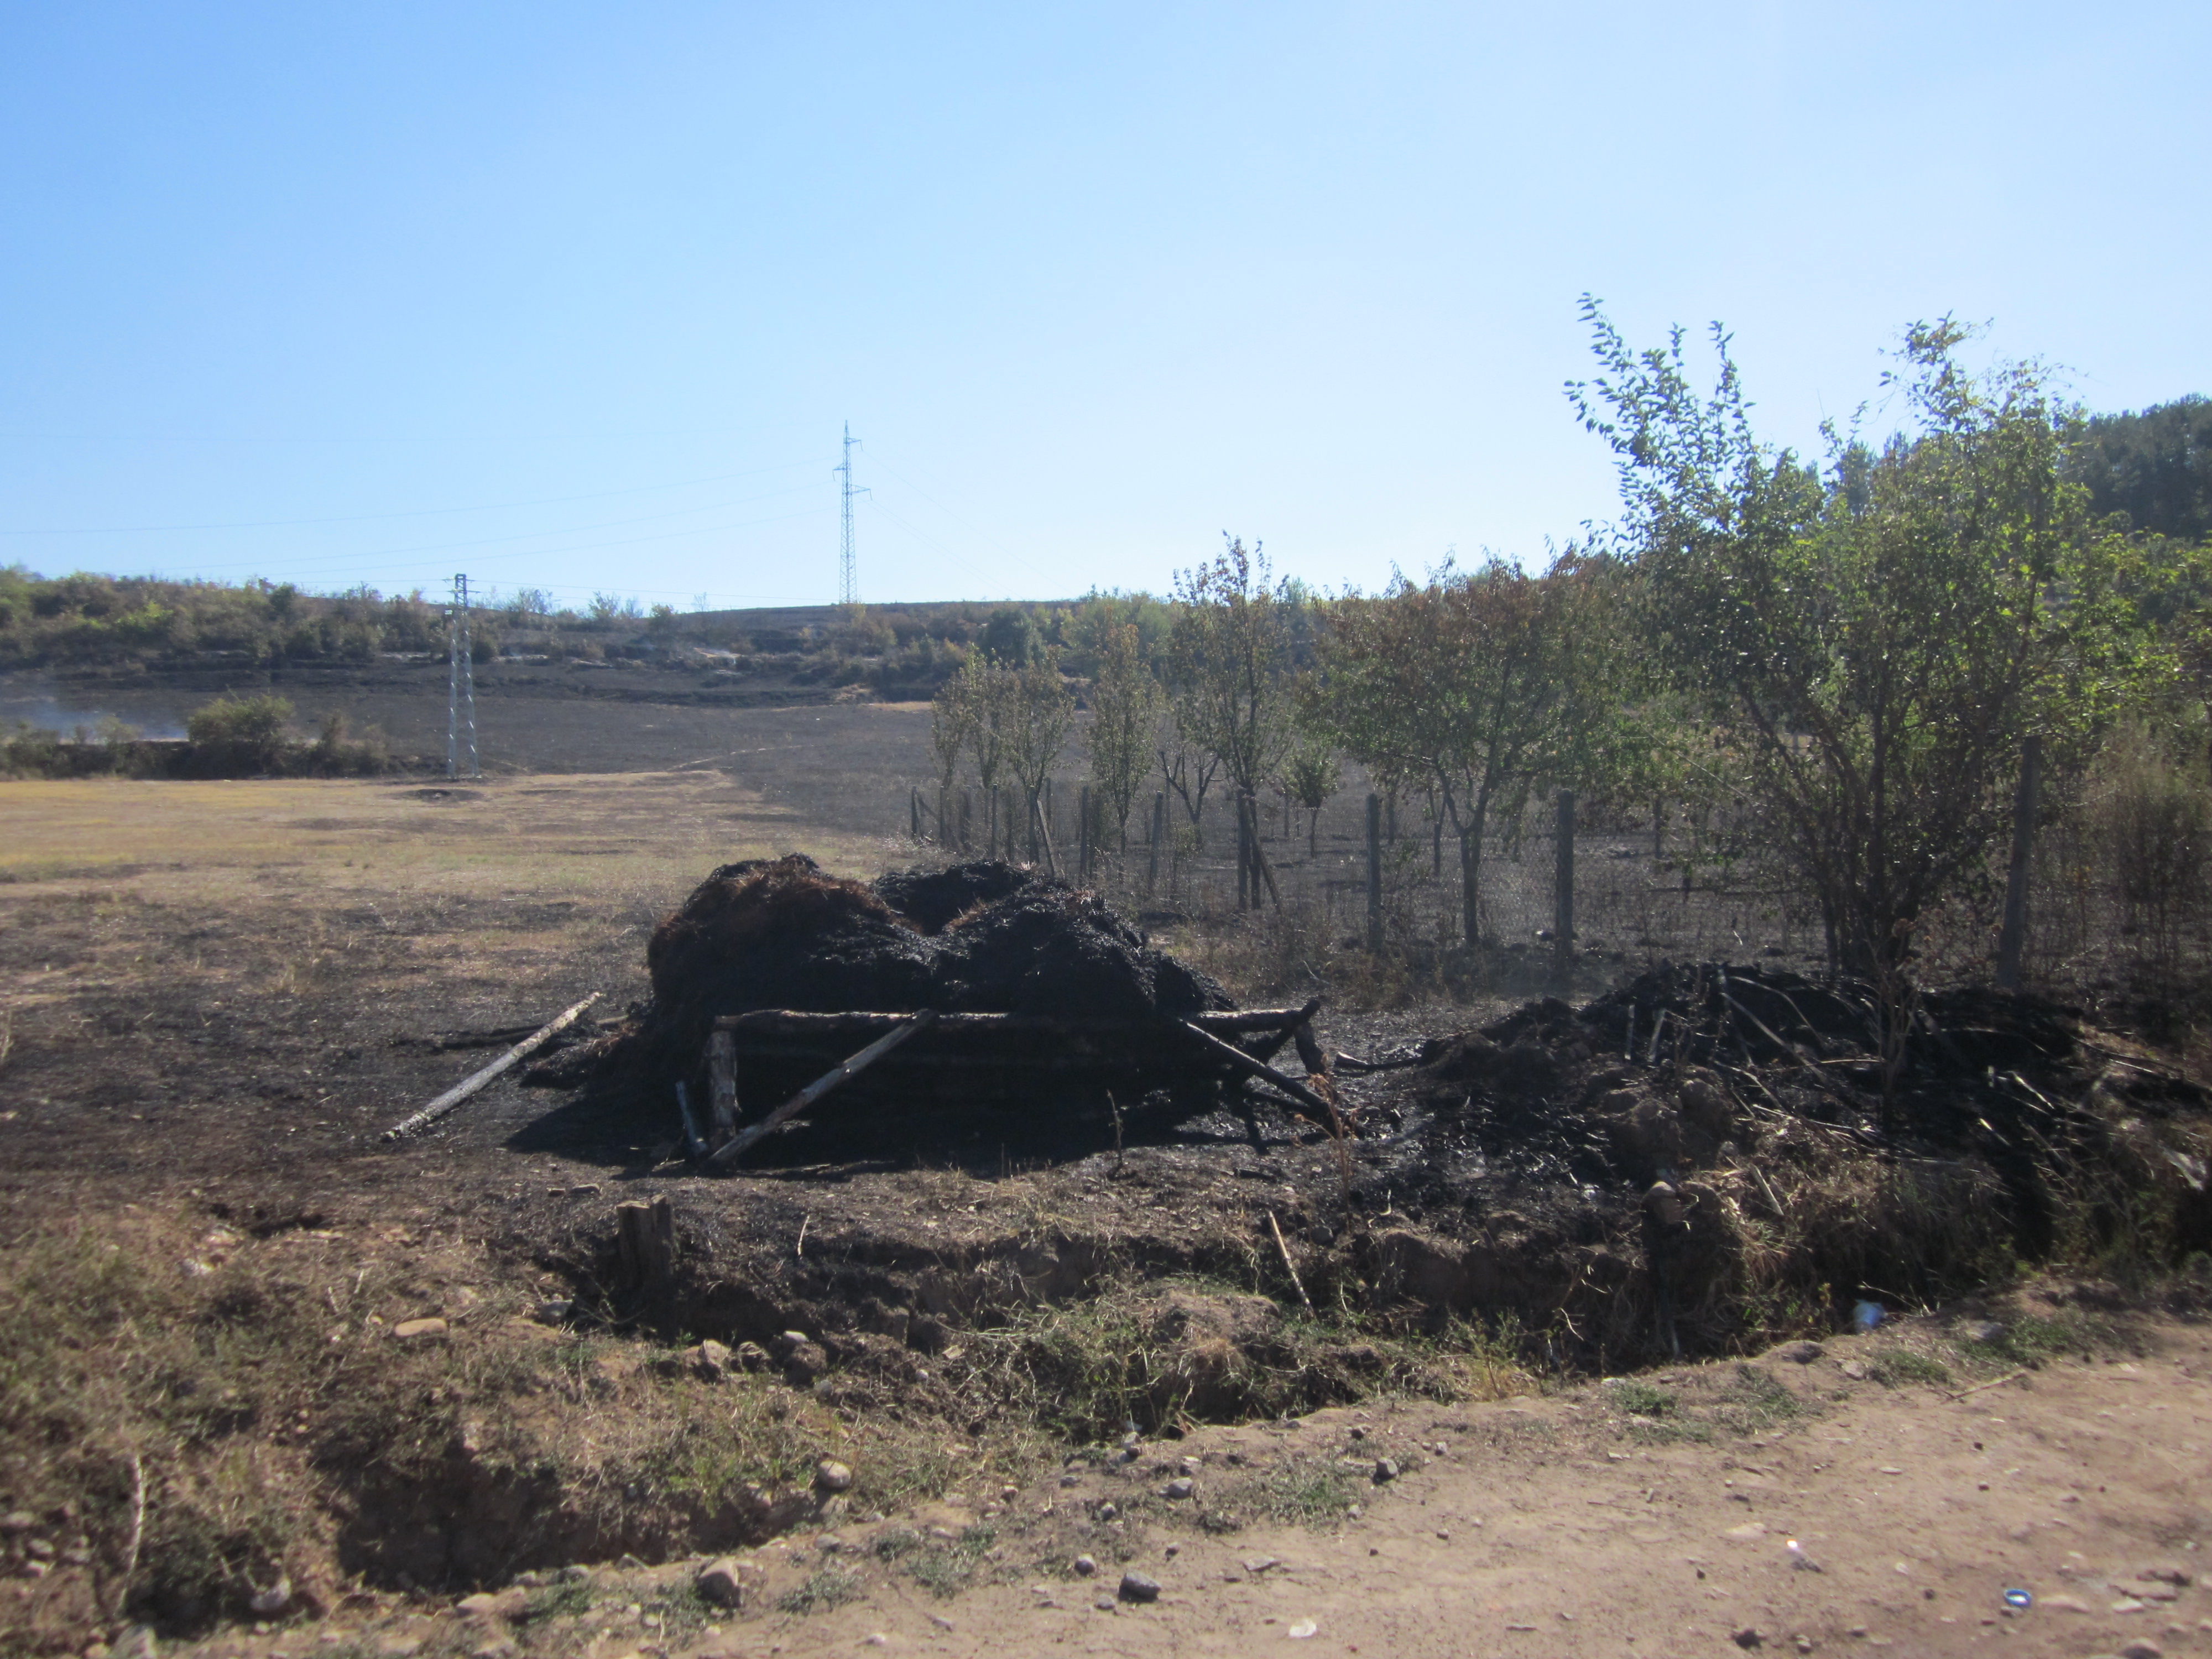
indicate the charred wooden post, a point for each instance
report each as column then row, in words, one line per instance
column 722, row 1086
column 645, row 1242
column 1159, row 834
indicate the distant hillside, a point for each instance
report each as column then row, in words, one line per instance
column 118, row 628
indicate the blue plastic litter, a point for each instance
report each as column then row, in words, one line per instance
column 1867, row 1315
column 2019, row 1598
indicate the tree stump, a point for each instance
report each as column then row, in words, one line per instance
column 645, row 1239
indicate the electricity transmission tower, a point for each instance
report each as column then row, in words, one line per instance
column 460, row 683
column 849, row 574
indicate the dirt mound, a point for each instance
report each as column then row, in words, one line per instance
column 979, row 938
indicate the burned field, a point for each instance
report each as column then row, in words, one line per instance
column 994, row 1248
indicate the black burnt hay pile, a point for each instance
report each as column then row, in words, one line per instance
column 979, row 937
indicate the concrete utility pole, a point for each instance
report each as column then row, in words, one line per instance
column 460, row 683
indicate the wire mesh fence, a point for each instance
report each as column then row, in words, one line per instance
column 2119, row 904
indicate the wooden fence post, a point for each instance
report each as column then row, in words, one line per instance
column 1159, row 829
column 2012, row 940
column 967, row 821
column 1563, row 889
column 1375, row 873
column 1083, row 834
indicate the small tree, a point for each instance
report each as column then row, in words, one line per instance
column 1878, row 638
column 979, row 693
column 1471, row 683
column 1312, row 775
column 1038, row 711
column 1229, row 665
column 1125, row 709
column 952, row 717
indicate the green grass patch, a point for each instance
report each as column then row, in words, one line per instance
column 1307, row 1494
column 1895, row 1369
column 1641, row 1399
column 556, row 1601
column 831, row 1587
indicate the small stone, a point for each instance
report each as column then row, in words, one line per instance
column 749, row 1356
column 2143, row 1649
column 1302, row 1629
column 832, row 1476
column 1748, row 1638
column 138, row 1642
column 554, row 1312
column 1105, row 1604
column 267, row 1603
column 17, row 1520
column 420, row 1330
column 1071, row 1481
column 1172, row 1551
column 1358, row 1432
column 803, row 1362
column 1854, row 1370
column 2172, row 1576
column 2127, row 1604
column 1107, row 1511
column 1139, row 1587
column 719, row 1582
column 40, row 1548
column 1797, row 1353
column 1256, row 1564
column 1179, row 1488
column 940, row 1621
column 710, row 1361
column 1085, row 1566
column 878, row 1639
column 1386, row 1469
column 829, row 1543
column 2064, row 1604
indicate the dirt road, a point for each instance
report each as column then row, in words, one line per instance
column 1545, row 1526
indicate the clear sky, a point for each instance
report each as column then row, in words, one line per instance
column 578, row 296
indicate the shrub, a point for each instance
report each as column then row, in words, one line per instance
column 234, row 735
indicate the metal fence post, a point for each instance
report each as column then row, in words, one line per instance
column 2012, row 940
column 1563, row 890
column 1374, row 874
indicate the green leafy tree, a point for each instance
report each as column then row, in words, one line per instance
column 1472, row 685
column 1877, row 636
column 1229, row 663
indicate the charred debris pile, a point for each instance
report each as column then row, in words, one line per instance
column 1687, row 1157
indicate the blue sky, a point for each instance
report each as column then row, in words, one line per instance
column 578, row 296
